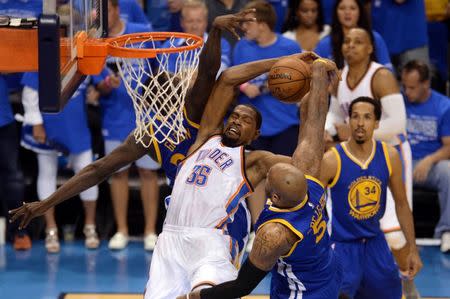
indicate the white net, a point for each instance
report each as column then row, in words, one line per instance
column 158, row 87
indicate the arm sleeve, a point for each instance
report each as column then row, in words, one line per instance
column 335, row 116
column 30, row 102
column 393, row 118
column 248, row 278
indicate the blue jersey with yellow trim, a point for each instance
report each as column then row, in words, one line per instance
column 168, row 154
column 310, row 265
column 358, row 193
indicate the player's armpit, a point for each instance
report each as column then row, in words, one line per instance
column 272, row 241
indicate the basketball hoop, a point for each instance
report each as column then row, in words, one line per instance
column 158, row 94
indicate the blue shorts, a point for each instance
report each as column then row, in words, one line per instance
column 369, row 269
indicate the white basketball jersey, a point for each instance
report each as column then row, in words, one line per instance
column 209, row 186
column 345, row 95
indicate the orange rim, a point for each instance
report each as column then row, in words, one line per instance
column 116, row 44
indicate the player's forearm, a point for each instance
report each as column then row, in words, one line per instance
column 394, row 118
column 210, row 57
column 242, row 73
column 405, row 218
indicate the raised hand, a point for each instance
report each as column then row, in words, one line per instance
column 233, row 21
column 27, row 212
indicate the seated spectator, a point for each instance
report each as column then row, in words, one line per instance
column 402, row 24
column 224, row 7
column 194, row 20
column 428, row 126
column 348, row 14
column 49, row 135
column 305, row 24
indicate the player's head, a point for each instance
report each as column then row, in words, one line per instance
column 365, row 115
column 416, row 81
column 242, row 126
column 358, row 47
column 285, row 185
column 194, row 17
column 113, row 14
column 266, row 19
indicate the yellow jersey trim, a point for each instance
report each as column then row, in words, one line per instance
column 386, row 156
column 293, row 209
column 155, row 145
column 315, row 180
column 291, row 228
column 338, row 170
column 354, row 159
column 194, row 124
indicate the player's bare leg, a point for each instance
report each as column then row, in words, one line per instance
column 400, row 251
column 150, row 203
column 119, row 197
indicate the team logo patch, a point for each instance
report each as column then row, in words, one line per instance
column 364, row 197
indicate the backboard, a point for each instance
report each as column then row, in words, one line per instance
column 59, row 26
column 49, row 45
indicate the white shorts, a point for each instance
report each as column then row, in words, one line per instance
column 185, row 258
column 145, row 162
column 389, row 222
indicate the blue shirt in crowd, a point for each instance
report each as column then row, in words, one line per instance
column 427, row 123
column 6, row 115
column 403, row 26
column 324, row 49
column 276, row 116
column 131, row 11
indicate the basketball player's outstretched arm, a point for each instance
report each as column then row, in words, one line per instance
column 272, row 241
column 223, row 93
column 313, row 112
column 404, row 215
column 209, row 62
column 89, row 176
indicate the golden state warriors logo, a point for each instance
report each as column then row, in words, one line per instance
column 364, row 197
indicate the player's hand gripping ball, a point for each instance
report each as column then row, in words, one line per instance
column 289, row 79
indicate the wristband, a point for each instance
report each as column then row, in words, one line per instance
column 320, row 60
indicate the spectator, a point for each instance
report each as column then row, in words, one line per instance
column 158, row 12
column 280, row 123
column 194, row 20
column 305, row 24
column 281, row 9
column 11, row 177
column 48, row 135
column 402, row 24
column 118, row 121
column 132, row 12
column 348, row 14
column 428, row 127
column 175, row 14
column 438, row 12
column 224, row 7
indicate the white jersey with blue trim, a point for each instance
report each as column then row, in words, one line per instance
column 209, row 186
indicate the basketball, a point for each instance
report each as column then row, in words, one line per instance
column 289, row 79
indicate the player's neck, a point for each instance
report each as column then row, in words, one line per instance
column 266, row 39
column 362, row 151
column 358, row 70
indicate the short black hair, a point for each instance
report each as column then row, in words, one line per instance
column 376, row 105
column 420, row 66
column 258, row 118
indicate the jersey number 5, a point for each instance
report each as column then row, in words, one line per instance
column 319, row 227
column 199, row 175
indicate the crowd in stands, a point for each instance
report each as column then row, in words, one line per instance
column 408, row 38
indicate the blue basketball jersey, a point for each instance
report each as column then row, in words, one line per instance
column 358, row 193
column 310, row 266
